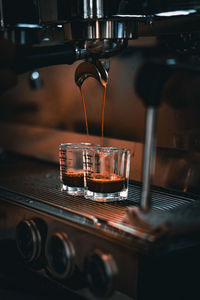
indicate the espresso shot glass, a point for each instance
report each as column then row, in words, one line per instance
column 71, row 167
column 106, row 173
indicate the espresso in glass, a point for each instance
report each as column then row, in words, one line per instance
column 106, row 173
column 105, row 184
column 73, row 178
column 71, row 167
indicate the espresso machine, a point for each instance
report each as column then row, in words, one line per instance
column 146, row 247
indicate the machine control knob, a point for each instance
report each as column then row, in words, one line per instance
column 29, row 240
column 60, row 255
column 101, row 272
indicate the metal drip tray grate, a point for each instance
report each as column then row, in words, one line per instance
column 40, row 181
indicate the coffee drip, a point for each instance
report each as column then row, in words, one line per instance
column 105, row 182
column 84, row 109
column 102, row 109
column 96, row 70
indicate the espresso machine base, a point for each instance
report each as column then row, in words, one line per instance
column 84, row 246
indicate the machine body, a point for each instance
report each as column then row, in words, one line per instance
column 50, row 32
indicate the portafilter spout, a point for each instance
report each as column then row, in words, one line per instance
column 94, row 69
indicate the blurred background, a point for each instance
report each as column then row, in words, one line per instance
column 58, row 104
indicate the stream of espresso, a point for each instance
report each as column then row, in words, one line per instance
column 102, row 109
column 96, row 182
column 84, row 109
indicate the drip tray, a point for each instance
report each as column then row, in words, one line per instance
column 36, row 184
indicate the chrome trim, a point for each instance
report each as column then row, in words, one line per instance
column 149, row 157
column 130, row 16
column 93, row 9
column 23, row 35
column 36, row 238
column 111, row 272
column 1, row 14
column 99, row 9
column 69, row 255
column 87, row 9
column 24, row 25
column 100, row 30
column 176, row 13
column 88, row 69
column 112, row 228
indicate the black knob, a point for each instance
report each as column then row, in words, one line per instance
column 29, row 240
column 150, row 80
column 101, row 272
column 60, row 255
